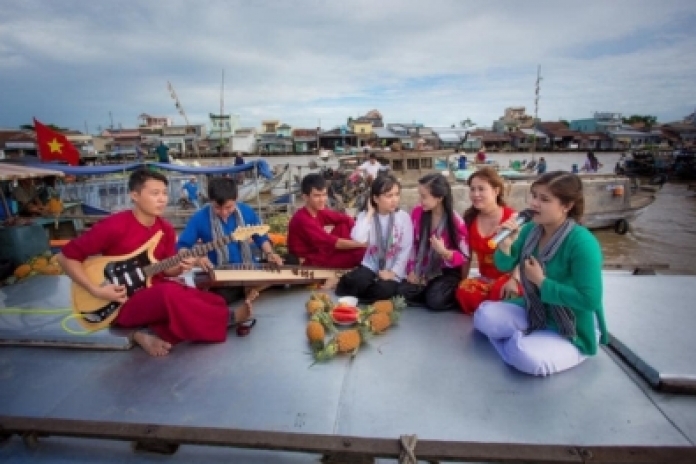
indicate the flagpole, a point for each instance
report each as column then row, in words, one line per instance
column 222, row 108
column 183, row 113
column 536, row 111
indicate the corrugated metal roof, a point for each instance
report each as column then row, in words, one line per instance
column 383, row 133
column 445, row 137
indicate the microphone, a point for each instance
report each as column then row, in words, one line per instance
column 521, row 219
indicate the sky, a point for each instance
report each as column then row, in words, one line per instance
column 83, row 64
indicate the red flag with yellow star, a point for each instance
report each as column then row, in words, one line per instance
column 54, row 146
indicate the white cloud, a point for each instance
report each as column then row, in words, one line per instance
column 436, row 62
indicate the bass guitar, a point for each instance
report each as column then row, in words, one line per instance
column 134, row 271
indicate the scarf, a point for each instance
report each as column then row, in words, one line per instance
column 536, row 310
column 433, row 266
column 223, row 253
column 383, row 242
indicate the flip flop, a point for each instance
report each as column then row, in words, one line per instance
column 244, row 328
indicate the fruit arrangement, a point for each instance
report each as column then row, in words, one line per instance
column 278, row 233
column 359, row 324
column 45, row 264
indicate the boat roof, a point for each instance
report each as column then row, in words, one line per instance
column 431, row 375
column 9, row 171
column 64, row 169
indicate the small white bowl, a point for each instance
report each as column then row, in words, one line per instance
column 348, row 300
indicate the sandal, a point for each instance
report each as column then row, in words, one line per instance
column 244, row 328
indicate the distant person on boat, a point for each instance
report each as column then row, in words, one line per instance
column 592, row 164
column 440, row 247
column 371, row 168
column 27, row 197
column 190, row 190
column 488, row 210
column 218, row 219
column 170, row 311
column 541, row 167
column 239, row 161
column 387, row 232
column 481, row 156
column 620, row 167
column 162, row 153
column 309, row 241
column 560, row 320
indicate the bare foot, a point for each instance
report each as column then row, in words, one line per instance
column 243, row 313
column 152, row 344
column 330, row 283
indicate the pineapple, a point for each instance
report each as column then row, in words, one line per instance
column 383, row 306
column 323, row 297
column 378, row 322
column 55, row 207
column 347, row 341
column 315, row 334
column 325, row 320
column 315, row 306
column 387, row 306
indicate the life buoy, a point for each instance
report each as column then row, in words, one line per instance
column 621, row 226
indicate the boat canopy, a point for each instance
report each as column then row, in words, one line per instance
column 15, row 172
column 262, row 166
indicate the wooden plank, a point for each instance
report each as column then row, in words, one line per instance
column 635, row 266
column 82, row 345
column 328, row 444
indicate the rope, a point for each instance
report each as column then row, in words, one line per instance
column 408, row 446
column 42, row 311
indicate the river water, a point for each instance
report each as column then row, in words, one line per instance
column 664, row 234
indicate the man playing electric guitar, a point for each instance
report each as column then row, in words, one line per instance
column 172, row 312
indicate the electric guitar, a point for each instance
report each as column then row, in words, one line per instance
column 134, row 271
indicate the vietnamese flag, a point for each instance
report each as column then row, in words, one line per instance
column 54, row 146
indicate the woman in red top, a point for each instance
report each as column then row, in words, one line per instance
column 487, row 212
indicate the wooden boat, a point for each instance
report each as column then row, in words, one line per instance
column 610, row 200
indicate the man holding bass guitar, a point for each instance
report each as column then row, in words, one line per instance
column 172, row 312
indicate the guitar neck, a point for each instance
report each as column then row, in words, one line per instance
column 196, row 252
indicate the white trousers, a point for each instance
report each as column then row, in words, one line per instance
column 543, row 352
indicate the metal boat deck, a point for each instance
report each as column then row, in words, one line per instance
column 432, row 375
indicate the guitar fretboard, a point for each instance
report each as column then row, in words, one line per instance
column 198, row 250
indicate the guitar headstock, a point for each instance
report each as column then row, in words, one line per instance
column 244, row 233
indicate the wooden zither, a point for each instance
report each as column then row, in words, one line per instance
column 258, row 274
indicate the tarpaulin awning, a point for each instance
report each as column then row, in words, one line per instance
column 263, row 168
column 15, row 172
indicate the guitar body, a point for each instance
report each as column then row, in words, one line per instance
column 94, row 313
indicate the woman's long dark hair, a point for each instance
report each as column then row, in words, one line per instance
column 438, row 187
column 491, row 176
column 567, row 188
column 381, row 185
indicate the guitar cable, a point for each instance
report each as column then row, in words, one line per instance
column 43, row 311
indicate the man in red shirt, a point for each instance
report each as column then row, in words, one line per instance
column 172, row 312
column 308, row 239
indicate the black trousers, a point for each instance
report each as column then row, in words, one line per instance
column 364, row 284
column 438, row 294
column 230, row 294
